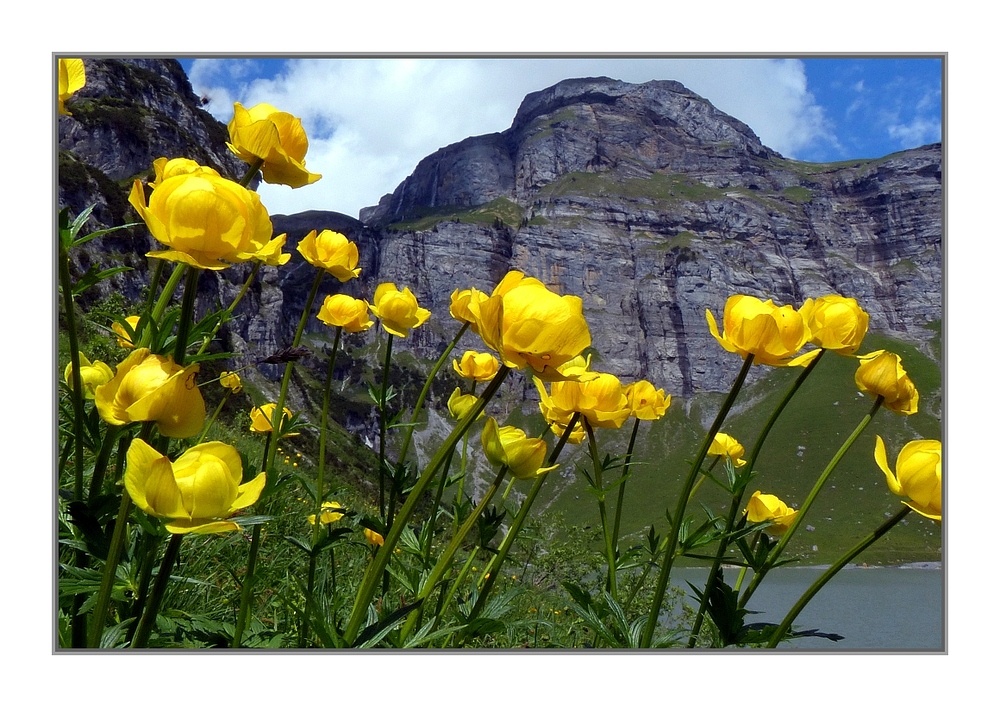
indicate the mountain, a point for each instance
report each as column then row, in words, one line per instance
column 645, row 200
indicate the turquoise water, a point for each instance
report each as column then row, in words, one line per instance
column 890, row 609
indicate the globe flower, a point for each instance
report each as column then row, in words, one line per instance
column 72, row 77
column 278, row 138
column 763, row 507
column 459, row 404
column 461, row 303
column 205, row 219
column 510, row 446
column 260, row 418
column 835, row 323
column 881, row 373
column 92, row 375
column 231, row 381
column 476, row 366
column 600, row 399
column 124, row 338
column 918, row 474
column 331, row 251
column 197, row 492
column 374, row 538
column 347, row 312
column 398, row 311
column 151, row 388
column 530, row 326
column 164, row 169
column 725, row 446
column 645, row 401
column 575, row 437
column 771, row 333
column 328, row 513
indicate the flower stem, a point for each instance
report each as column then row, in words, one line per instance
column 609, row 550
column 738, row 493
column 230, row 308
column 621, row 485
column 374, row 572
column 164, row 300
column 678, row 518
column 187, row 314
column 492, row 571
column 779, row 548
column 252, row 169
column 100, row 613
column 76, row 394
column 381, row 428
column 833, row 569
column 214, row 415
column 444, row 561
column 141, row 637
column 246, row 592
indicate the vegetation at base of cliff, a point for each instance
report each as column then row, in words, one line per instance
column 499, row 213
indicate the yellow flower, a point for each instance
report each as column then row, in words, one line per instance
column 771, row 333
column 398, row 311
column 328, row 513
column 331, row 251
column 347, row 312
column 600, row 399
column 477, row 366
column 575, row 437
column 645, row 401
column 92, row 375
column 373, row 537
column 151, row 388
column 72, row 77
column 459, row 404
column 197, row 492
column 231, row 381
column 205, row 219
column 260, row 418
column 530, row 326
column 268, row 134
column 510, row 446
column 881, row 373
column 461, row 303
column 725, row 446
column 918, row 474
column 164, row 169
column 124, row 338
column 764, row 507
column 836, row 323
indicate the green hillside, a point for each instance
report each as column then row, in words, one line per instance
column 820, row 417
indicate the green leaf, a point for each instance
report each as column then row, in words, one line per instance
column 374, row 633
column 93, row 276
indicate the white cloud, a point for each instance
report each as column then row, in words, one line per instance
column 370, row 121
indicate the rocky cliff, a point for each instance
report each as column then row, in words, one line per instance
column 645, row 200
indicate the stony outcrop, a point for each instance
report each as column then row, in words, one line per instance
column 645, row 200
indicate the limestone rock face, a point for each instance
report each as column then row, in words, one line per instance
column 645, row 200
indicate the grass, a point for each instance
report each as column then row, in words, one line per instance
column 497, row 213
column 811, row 429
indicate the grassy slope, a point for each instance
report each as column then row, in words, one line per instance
column 819, row 418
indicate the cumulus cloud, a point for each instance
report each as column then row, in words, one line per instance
column 370, row 121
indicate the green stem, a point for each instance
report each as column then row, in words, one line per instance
column 163, row 301
column 246, row 592
column 432, row 519
column 215, row 414
column 101, row 463
column 381, row 427
column 320, row 493
column 230, row 308
column 187, row 314
column 252, row 169
column 737, row 498
column 103, row 602
column 621, row 485
column 154, row 282
column 783, row 542
column 141, row 637
column 678, row 517
column 459, row 499
column 374, row 572
column 609, row 550
column 496, row 564
column 834, row 568
column 76, row 394
column 424, row 391
column 147, row 553
column 701, row 479
column 444, row 561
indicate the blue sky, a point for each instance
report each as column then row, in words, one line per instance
column 371, row 120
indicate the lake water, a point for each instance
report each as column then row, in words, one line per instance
column 890, row 609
